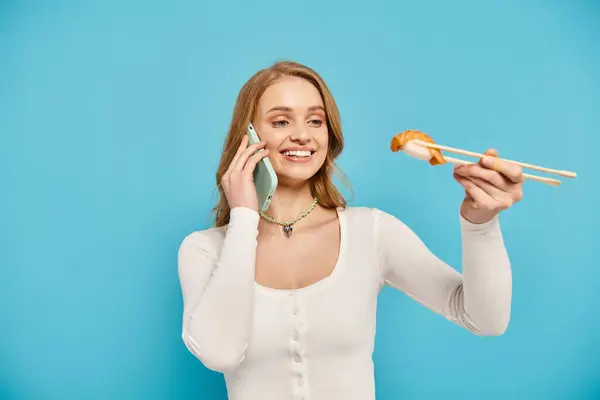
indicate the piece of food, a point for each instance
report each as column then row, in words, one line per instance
column 405, row 141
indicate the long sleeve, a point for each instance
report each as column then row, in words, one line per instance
column 218, row 291
column 479, row 299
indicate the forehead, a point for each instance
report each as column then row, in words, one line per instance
column 292, row 92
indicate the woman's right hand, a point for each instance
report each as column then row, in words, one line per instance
column 238, row 180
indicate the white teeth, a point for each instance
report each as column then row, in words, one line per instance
column 297, row 153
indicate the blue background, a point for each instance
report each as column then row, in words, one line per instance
column 112, row 119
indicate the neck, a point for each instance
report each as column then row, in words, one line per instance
column 289, row 202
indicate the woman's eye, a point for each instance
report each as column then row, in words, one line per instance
column 279, row 123
column 316, row 122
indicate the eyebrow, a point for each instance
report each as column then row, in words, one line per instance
column 288, row 109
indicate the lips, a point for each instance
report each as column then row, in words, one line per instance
column 298, row 155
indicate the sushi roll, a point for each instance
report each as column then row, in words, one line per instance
column 405, row 142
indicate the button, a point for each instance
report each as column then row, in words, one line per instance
column 297, row 359
column 300, row 383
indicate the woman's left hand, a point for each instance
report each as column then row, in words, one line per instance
column 491, row 186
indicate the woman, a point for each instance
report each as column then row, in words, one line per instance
column 293, row 316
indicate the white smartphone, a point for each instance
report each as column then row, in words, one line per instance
column 265, row 178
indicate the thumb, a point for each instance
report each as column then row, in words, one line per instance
column 489, row 152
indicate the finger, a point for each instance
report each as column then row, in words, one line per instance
column 466, row 183
column 512, row 171
column 491, row 152
column 489, row 175
column 517, row 192
column 241, row 147
column 474, row 193
column 491, row 190
column 488, row 152
column 253, row 160
column 245, row 155
column 512, row 192
column 498, row 199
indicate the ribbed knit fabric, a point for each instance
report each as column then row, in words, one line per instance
column 316, row 343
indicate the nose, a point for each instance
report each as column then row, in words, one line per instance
column 300, row 135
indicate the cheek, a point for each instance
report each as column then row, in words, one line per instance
column 271, row 139
column 323, row 146
column 271, row 144
column 323, row 139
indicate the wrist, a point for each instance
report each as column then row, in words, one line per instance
column 244, row 216
column 474, row 215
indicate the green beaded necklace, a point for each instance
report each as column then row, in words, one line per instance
column 288, row 227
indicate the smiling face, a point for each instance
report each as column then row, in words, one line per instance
column 291, row 119
column 294, row 112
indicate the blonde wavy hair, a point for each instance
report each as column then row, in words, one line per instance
column 321, row 184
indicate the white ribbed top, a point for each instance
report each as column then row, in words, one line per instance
column 316, row 343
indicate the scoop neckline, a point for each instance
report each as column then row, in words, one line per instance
column 337, row 269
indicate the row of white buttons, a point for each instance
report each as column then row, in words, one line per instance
column 297, row 322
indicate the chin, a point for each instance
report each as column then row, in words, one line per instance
column 293, row 180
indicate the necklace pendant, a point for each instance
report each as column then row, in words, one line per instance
column 287, row 230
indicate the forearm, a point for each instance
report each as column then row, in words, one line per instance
column 218, row 325
column 487, row 277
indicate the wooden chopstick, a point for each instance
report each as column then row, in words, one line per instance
column 567, row 174
column 549, row 181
